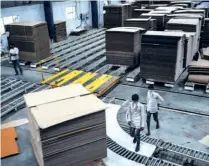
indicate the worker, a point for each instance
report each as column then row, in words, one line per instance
column 14, row 56
column 135, row 119
column 152, row 107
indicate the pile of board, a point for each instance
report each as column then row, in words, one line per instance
column 65, row 127
column 199, row 71
column 116, row 14
column 146, row 23
column 137, row 12
column 187, row 25
column 31, row 38
column 60, row 31
column 205, row 35
column 162, row 56
column 123, row 45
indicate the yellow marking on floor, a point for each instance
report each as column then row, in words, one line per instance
column 53, row 76
column 86, row 77
column 98, row 82
column 66, row 78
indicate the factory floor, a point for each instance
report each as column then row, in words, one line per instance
column 184, row 118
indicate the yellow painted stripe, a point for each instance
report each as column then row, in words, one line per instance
column 86, row 77
column 66, row 78
column 98, row 82
column 53, row 76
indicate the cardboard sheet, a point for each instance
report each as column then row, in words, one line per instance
column 14, row 123
column 8, row 143
column 205, row 141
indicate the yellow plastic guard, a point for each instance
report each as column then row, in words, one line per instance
column 66, row 78
column 86, row 77
column 98, row 82
column 53, row 76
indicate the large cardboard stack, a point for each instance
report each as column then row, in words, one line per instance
column 60, row 31
column 67, row 126
column 187, row 25
column 137, row 12
column 116, row 14
column 123, row 45
column 205, row 34
column 146, row 23
column 162, row 56
column 31, row 38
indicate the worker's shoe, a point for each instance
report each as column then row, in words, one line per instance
column 16, row 74
column 148, row 134
column 157, row 126
column 134, row 140
column 137, row 148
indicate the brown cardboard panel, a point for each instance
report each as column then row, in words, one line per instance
column 8, row 143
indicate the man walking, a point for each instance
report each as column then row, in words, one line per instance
column 14, row 56
column 135, row 119
column 152, row 107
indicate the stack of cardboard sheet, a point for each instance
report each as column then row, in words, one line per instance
column 189, row 3
column 162, row 55
column 137, row 12
column 189, row 52
column 116, row 14
column 205, row 35
column 187, row 25
column 159, row 17
column 199, row 71
column 67, row 126
column 60, row 31
column 146, row 23
column 31, row 38
column 136, row 5
column 192, row 11
column 123, row 45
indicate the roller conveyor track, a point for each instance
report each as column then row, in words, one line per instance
column 17, row 91
column 95, row 64
column 151, row 161
column 200, row 158
column 67, row 53
column 13, row 105
column 10, row 85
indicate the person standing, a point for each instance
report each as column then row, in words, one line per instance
column 14, row 56
column 135, row 119
column 152, row 107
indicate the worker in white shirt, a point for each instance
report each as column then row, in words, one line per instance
column 152, row 107
column 14, row 56
column 135, row 119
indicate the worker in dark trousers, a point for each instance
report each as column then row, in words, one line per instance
column 14, row 56
column 152, row 107
column 135, row 119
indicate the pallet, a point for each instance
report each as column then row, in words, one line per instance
column 94, row 82
column 191, row 86
column 166, row 84
column 133, row 76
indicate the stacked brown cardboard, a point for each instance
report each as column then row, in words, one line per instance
column 205, row 34
column 31, row 38
column 60, row 31
column 116, row 14
column 187, row 25
column 162, row 55
column 67, row 126
column 146, row 23
column 199, row 71
column 123, row 45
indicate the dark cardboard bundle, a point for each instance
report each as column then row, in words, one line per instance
column 159, row 17
column 162, row 55
column 31, row 38
column 123, row 45
column 192, row 11
column 187, row 25
column 137, row 12
column 146, row 23
column 189, row 3
column 65, row 127
column 116, row 14
column 60, row 31
column 136, row 5
column 205, row 34
column 199, row 71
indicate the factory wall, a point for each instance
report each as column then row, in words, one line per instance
column 59, row 13
column 25, row 13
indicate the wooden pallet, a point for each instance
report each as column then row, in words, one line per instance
column 166, row 84
column 191, row 86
